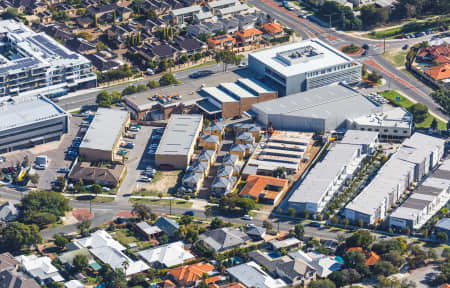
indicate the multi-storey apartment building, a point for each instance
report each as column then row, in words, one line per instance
column 33, row 63
column 303, row 66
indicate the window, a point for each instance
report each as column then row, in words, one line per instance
column 395, row 131
column 362, row 129
column 369, row 129
column 385, row 130
column 404, row 132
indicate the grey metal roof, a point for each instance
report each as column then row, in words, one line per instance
column 104, row 129
column 322, row 103
column 444, row 223
column 180, row 134
column 27, row 110
column 251, row 275
column 399, row 169
column 315, row 185
column 224, row 238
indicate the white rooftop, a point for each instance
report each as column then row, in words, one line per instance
column 186, row 10
column 218, row 94
column 252, row 275
column 117, row 259
column 237, row 90
column 104, row 129
column 277, row 58
column 397, row 117
column 100, row 238
column 255, row 85
column 219, row 3
column 169, row 255
column 22, row 111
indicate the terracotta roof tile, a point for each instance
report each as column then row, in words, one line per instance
column 256, row 185
column 439, row 72
column 272, row 28
column 191, row 273
column 249, row 32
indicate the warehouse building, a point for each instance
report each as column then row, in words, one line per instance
column 104, row 133
column 303, row 66
column 395, row 124
column 233, row 99
column 319, row 110
column 34, row 63
column 425, row 201
column 29, row 121
column 327, row 176
column 416, row 157
column 178, row 141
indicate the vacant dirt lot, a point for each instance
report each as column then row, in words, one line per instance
column 163, row 182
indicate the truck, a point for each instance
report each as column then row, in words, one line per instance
column 41, row 162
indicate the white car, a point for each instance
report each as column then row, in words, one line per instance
column 145, row 179
column 247, row 217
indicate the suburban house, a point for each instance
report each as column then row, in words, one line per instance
column 10, row 276
column 216, row 128
column 223, row 239
column 209, row 142
column 190, row 275
column 272, row 30
column 147, row 231
column 40, row 269
column 8, row 212
column 264, row 189
column 371, row 257
column 167, row 225
column 168, row 255
column 221, row 42
column 110, row 177
column 249, row 36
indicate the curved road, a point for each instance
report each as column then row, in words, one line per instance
column 397, row 79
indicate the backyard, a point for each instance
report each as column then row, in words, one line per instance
column 393, row 96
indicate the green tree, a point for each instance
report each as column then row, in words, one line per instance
column 83, row 226
column 361, row 238
column 131, row 89
column 137, row 280
column 217, row 223
column 60, row 183
column 115, row 96
column 354, row 259
column 115, row 278
column 104, row 99
column 153, row 84
column 384, row 268
column 141, row 88
column 45, row 201
column 267, row 224
column 60, row 241
column 17, row 235
column 167, row 79
column 186, row 219
column 291, row 212
column 80, row 263
column 419, row 112
column 41, row 219
column 142, row 211
column 96, row 189
column 246, row 204
column 299, row 231
column 434, row 124
column 162, row 66
column 394, row 257
column 321, row 284
column 442, row 237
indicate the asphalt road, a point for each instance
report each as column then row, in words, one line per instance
column 398, row 80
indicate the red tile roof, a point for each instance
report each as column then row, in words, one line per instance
column 256, row 185
column 249, row 32
column 371, row 257
column 191, row 273
column 220, row 39
column 440, row 72
column 272, row 28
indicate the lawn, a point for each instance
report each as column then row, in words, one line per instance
column 208, row 63
column 396, row 57
column 125, row 236
column 163, row 202
column 406, row 103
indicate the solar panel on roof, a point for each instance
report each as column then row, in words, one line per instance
column 47, row 45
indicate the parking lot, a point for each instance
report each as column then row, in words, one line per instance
column 55, row 151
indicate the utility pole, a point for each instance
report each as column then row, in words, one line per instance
column 170, row 205
column 384, row 45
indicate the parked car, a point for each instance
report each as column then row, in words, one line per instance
column 189, row 213
column 133, row 129
column 2, row 159
column 247, row 217
column 122, row 152
column 106, row 189
column 150, row 72
column 63, row 170
column 366, row 46
column 145, row 179
column 315, row 224
column 199, row 74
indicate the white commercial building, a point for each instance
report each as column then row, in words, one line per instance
column 30, row 120
column 327, row 176
column 34, row 63
column 303, row 65
column 416, row 157
column 323, row 109
column 395, row 124
column 425, row 201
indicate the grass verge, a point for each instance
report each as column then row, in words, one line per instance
column 406, row 103
column 162, row 202
column 208, row 63
column 396, row 57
